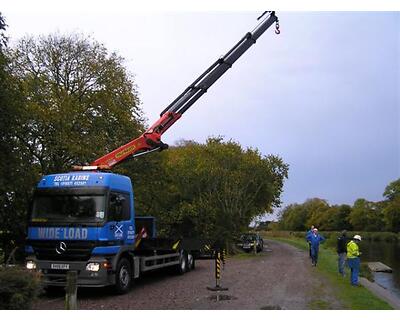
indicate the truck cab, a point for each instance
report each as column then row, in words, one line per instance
column 81, row 221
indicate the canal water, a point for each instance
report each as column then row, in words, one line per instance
column 387, row 253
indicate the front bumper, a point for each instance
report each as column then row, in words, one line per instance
column 56, row 277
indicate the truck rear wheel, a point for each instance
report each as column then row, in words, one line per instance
column 123, row 276
column 183, row 259
column 190, row 262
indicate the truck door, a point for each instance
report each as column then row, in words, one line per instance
column 119, row 219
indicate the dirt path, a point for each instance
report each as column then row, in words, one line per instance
column 281, row 277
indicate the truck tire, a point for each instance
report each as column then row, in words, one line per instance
column 182, row 266
column 190, row 262
column 123, row 276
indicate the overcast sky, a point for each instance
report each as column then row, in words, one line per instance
column 324, row 94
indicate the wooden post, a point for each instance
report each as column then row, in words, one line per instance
column 255, row 247
column 71, row 290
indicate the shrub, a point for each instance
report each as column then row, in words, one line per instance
column 18, row 288
column 331, row 242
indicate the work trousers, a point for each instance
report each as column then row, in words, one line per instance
column 314, row 255
column 341, row 262
column 354, row 265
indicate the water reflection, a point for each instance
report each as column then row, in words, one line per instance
column 387, row 253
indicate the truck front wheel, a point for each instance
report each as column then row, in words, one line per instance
column 123, row 276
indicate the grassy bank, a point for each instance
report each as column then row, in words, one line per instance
column 366, row 235
column 353, row 298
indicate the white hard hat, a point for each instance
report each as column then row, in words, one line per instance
column 357, row 237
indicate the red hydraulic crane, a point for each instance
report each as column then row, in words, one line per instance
column 150, row 140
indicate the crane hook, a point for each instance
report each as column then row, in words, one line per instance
column 277, row 31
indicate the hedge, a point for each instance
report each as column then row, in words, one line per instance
column 18, row 288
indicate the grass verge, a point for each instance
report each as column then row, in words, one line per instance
column 352, row 298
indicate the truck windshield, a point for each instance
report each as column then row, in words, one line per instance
column 68, row 207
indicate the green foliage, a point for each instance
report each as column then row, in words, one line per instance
column 293, row 217
column 15, row 172
column 3, row 38
column 216, row 189
column 18, row 288
column 315, row 212
column 64, row 100
column 391, row 207
column 319, row 305
column 336, row 217
column 79, row 101
column 392, row 191
column 364, row 215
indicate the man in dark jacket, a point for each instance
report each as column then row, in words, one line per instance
column 341, row 251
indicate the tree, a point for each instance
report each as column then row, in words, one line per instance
column 391, row 215
column 215, row 189
column 3, row 37
column 335, row 218
column 15, row 175
column 80, row 102
column 65, row 100
column 366, row 215
column 293, row 217
column 392, row 190
column 317, row 212
column 391, row 207
column 315, row 209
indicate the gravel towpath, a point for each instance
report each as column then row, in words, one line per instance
column 281, row 277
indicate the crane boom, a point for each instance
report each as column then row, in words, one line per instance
column 150, row 140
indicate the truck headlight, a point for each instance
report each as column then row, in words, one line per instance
column 93, row 266
column 30, row 265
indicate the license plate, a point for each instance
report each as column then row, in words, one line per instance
column 60, row 266
column 247, row 246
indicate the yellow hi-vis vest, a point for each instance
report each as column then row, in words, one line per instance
column 352, row 250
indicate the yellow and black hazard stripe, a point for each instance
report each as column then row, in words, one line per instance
column 223, row 258
column 218, row 266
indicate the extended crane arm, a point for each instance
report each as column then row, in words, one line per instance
column 151, row 139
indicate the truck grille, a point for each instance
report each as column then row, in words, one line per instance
column 74, row 250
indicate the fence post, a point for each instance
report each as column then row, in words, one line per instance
column 71, row 291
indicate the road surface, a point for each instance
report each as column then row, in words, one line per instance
column 281, row 277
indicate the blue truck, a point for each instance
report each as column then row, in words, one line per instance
column 85, row 221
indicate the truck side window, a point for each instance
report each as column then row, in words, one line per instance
column 118, row 209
